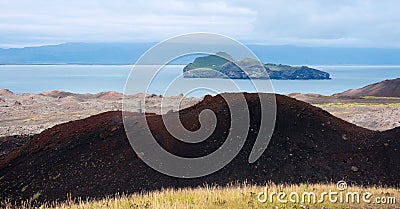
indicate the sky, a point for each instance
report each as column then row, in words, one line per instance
column 338, row 23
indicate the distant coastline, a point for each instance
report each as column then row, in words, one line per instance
column 116, row 64
column 129, row 53
column 131, row 64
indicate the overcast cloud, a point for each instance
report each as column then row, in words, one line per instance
column 360, row 23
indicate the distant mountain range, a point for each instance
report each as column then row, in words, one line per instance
column 129, row 53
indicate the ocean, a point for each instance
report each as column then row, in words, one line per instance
column 98, row 78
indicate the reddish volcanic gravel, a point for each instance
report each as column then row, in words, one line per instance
column 93, row 158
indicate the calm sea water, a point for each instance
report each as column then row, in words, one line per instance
column 97, row 78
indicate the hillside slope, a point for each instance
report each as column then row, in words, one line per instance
column 386, row 88
column 93, row 158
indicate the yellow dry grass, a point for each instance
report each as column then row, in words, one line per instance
column 235, row 196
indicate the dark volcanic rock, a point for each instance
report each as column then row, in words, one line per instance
column 9, row 143
column 17, row 103
column 93, row 158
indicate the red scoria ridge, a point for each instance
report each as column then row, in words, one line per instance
column 92, row 158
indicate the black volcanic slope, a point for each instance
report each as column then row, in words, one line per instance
column 93, row 158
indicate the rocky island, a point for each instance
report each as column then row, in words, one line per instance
column 222, row 65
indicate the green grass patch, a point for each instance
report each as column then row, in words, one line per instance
column 356, row 104
column 375, row 97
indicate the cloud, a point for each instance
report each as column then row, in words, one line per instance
column 310, row 22
column 354, row 23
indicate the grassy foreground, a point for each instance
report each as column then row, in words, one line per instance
column 237, row 196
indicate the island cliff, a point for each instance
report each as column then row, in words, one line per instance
column 222, row 65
